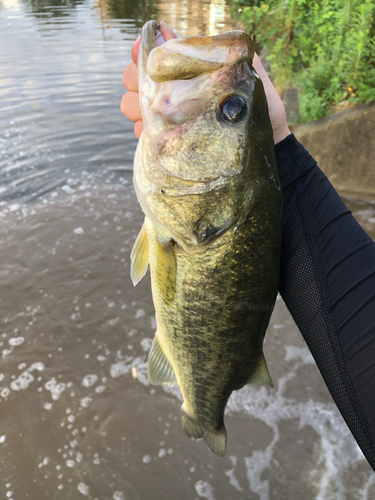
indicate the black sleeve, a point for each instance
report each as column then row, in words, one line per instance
column 328, row 284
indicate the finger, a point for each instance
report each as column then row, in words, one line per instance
column 135, row 49
column 269, row 89
column 275, row 105
column 166, row 31
column 130, row 77
column 130, row 106
column 138, row 128
column 259, row 68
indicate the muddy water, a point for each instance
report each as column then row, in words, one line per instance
column 78, row 418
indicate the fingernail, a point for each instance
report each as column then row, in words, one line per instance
column 166, row 30
column 159, row 40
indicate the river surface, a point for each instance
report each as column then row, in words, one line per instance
column 78, row 418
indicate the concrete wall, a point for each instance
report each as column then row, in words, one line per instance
column 344, row 146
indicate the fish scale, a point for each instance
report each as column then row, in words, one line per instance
column 212, row 242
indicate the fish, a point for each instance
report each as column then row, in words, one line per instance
column 206, row 178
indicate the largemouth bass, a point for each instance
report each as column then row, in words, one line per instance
column 206, row 178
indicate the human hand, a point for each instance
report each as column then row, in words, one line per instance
column 276, row 108
column 130, row 101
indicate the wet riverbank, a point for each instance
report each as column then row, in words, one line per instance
column 344, row 146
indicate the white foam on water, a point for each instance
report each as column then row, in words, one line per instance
column 39, row 366
column 55, row 388
column 230, row 473
column 337, row 448
column 89, row 380
column 26, row 377
column 85, row 402
column 153, row 324
column 140, row 313
column 204, row 490
column 83, row 488
column 13, row 207
column 16, row 341
column 331, row 471
column 124, row 366
column 299, row 353
column 146, row 344
column 100, row 388
column 118, row 495
column 44, row 462
column 4, row 393
column 363, row 493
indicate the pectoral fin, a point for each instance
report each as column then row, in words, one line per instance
column 166, row 268
column 261, row 375
column 139, row 256
column 160, row 371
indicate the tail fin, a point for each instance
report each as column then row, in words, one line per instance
column 215, row 440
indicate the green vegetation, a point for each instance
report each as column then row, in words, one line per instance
column 326, row 48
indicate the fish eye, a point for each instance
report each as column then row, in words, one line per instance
column 233, row 109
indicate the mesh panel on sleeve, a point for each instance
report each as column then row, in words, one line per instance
column 301, row 286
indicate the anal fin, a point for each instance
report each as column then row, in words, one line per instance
column 191, row 428
column 261, row 374
column 139, row 256
column 160, row 371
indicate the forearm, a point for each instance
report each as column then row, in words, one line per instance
column 328, row 283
